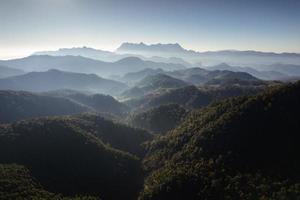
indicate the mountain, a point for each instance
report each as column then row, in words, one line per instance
column 232, row 57
column 7, row 72
column 23, row 105
column 289, row 69
column 159, row 119
column 174, row 60
column 108, row 56
column 199, row 76
column 224, row 78
column 77, row 155
column 16, row 182
column 160, row 81
column 84, row 52
column 150, row 50
column 240, row 148
column 86, row 65
column 96, row 102
column 133, row 64
column 153, row 83
column 191, row 97
column 55, row 79
column 265, row 75
column 134, row 77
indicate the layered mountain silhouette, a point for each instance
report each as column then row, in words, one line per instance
column 191, row 97
column 8, row 71
column 153, row 83
column 22, row 105
column 86, row 65
column 241, row 148
column 209, row 58
column 77, row 155
column 95, row 102
column 54, row 79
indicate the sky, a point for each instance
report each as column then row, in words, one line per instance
column 27, row 26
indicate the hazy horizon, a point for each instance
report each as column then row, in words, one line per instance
column 32, row 25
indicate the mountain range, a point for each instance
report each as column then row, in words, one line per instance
column 239, row 148
column 175, row 53
column 54, row 80
column 86, row 65
column 8, row 71
column 232, row 57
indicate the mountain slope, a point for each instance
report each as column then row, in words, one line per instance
column 81, row 64
column 191, row 97
column 160, row 81
column 159, row 119
column 134, row 77
column 153, row 83
column 55, row 79
column 7, row 72
column 72, row 156
column 265, row 75
column 97, row 102
column 84, row 52
column 16, row 182
column 22, row 105
column 199, row 76
column 241, row 148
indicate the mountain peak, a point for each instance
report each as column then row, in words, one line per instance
column 159, row 47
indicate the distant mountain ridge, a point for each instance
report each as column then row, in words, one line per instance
column 19, row 105
column 55, row 79
column 85, row 52
column 8, row 71
column 175, row 53
column 86, row 65
column 209, row 57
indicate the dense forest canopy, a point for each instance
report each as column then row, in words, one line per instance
column 240, row 148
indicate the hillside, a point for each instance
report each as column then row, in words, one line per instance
column 7, row 72
column 199, row 76
column 55, row 80
column 160, row 81
column 159, row 119
column 134, row 77
column 228, row 78
column 264, row 75
column 96, row 102
column 240, row 148
column 77, row 155
column 16, row 105
column 191, row 97
column 16, row 182
column 153, row 83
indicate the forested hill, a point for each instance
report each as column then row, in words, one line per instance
column 240, row 148
column 17, row 105
column 159, row 119
column 77, row 155
column 16, row 182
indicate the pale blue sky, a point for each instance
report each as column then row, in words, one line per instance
column 265, row 25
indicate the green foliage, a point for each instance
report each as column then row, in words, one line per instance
column 77, row 155
column 16, row 183
column 192, row 97
column 159, row 119
column 240, row 148
column 22, row 105
column 100, row 103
